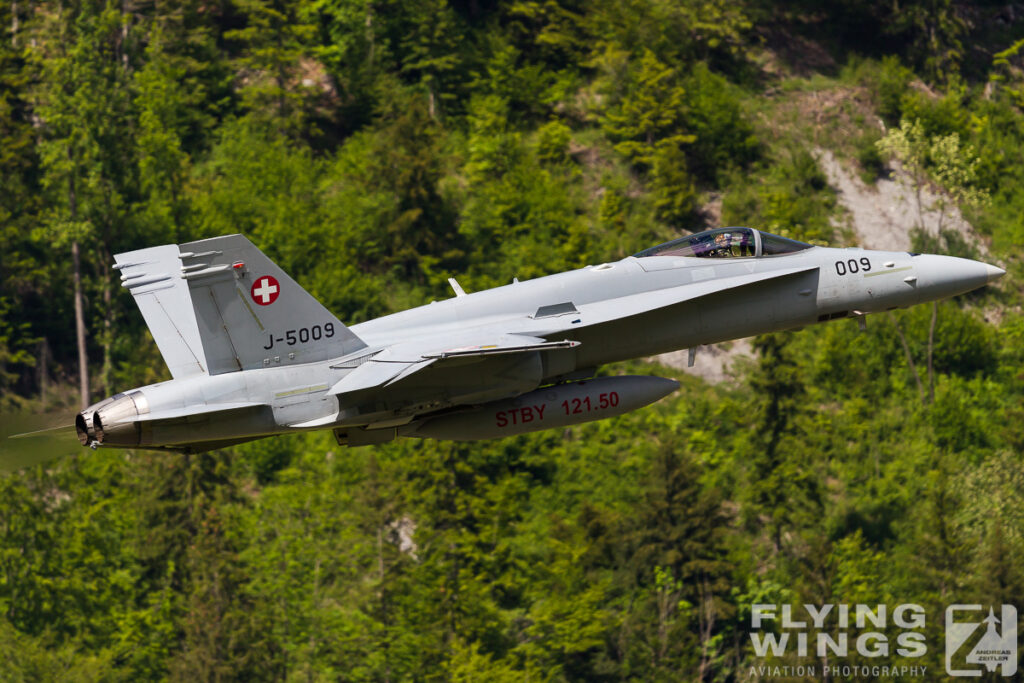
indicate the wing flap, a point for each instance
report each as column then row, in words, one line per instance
column 375, row 372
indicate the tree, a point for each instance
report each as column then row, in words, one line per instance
column 776, row 474
column 678, row 560
column 169, row 99
column 649, row 117
column 275, row 47
column 353, row 47
column 88, row 171
column 934, row 28
column 678, row 32
column 650, row 129
column 955, row 169
column 428, row 40
column 23, row 274
column 942, row 158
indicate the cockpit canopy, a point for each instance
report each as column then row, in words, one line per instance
column 727, row 243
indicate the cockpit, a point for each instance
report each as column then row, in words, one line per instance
column 727, row 243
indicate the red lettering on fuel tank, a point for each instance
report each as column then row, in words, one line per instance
column 501, row 419
column 527, row 414
column 540, row 410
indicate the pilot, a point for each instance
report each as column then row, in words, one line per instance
column 723, row 245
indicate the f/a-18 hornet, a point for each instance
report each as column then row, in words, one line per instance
column 252, row 354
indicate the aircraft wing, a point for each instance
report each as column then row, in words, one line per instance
column 398, row 362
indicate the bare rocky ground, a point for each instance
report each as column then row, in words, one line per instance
column 883, row 215
column 880, row 216
column 714, row 363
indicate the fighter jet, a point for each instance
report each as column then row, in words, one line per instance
column 252, row 354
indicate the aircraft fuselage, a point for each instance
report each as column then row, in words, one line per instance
column 409, row 372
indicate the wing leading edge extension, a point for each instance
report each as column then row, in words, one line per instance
column 623, row 308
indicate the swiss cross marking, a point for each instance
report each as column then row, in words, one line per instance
column 265, row 290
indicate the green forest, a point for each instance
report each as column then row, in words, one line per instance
column 375, row 148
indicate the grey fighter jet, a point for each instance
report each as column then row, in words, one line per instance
column 252, row 354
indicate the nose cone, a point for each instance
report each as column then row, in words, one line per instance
column 994, row 273
column 940, row 277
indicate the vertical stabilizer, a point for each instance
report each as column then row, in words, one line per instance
column 153, row 276
column 220, row 305
column 251, row 314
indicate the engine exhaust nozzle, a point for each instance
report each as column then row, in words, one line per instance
column 112, row 421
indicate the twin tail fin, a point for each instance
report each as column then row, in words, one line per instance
column 220, row 305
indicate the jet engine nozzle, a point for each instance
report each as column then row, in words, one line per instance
column 113, row 421
column 84, row 421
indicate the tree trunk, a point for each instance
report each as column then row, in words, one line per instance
column 76, row 270
column 125, row 15
column 108, row 333
column 910, row 359
column 931, row 350
column 665, row 603
column 310, row 661
column 382, row 601
column 44, row 351
column 83, row 361
column 920, row 208
column 369, row 33
column 706, row 625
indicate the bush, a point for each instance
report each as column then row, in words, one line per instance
column 553, row 142
column 869, row 158
column 889, row 83
column 939, row 116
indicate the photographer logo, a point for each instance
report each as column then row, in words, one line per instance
column 977, row 643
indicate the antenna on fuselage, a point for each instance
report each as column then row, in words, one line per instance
column 457, row 287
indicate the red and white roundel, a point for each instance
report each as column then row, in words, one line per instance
column 265, row 290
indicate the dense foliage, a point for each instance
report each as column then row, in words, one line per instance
column 373, row 148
